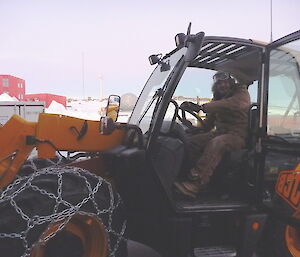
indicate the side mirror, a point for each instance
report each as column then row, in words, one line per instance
column 113, row 107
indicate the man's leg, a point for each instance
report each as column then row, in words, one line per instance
column 209, row 160
column 196, row 145
column 213, row 154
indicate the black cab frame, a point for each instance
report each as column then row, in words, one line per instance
column 254, row 202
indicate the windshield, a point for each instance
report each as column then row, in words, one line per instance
column 284, row 92
column 143, row 111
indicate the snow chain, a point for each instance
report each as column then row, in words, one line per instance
column 22, row 183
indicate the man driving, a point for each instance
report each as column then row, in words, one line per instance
column 225, row 129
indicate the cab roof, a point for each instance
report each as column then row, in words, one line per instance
column 240, row 57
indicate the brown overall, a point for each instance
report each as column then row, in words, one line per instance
column 229, row 116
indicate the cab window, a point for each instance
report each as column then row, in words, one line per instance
column 284, row 92
column 195, row 86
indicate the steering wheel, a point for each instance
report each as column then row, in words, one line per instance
column 185, row 121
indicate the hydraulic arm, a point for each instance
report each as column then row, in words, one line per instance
column 51, row 133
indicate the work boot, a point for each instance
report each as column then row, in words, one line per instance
column 195, row 175
column 189, row 188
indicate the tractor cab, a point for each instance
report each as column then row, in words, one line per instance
column 173, row 125
column 243, row 188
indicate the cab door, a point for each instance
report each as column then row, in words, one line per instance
column 280, row 130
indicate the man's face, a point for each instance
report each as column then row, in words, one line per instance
column 223, row 87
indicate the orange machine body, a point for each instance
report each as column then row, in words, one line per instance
column 51, row 133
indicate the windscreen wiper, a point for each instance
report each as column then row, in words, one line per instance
column 158, row 93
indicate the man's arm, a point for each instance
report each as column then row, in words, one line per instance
column 240, row 100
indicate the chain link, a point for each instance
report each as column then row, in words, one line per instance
column 62, row 216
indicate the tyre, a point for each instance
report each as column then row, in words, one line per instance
column 35, row 164
column 61, row 212
column 279, row 240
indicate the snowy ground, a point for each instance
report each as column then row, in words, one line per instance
column 91, row 110
column 84, row 109
column 80, row 109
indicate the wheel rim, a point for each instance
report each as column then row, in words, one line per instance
column 88, row 229
column 292, row 239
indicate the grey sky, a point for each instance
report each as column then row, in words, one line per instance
column 43, row 41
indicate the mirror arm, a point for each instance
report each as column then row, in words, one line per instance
column 137, row 130
column 107, row 126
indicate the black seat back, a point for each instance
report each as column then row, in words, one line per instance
column 253, row 119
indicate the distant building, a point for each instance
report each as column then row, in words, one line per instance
column 13, row 86
column 47, row 98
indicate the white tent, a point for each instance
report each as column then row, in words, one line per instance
column 7, row 98
column 56, row 107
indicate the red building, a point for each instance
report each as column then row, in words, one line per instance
column 47, row 98
column 13, row 86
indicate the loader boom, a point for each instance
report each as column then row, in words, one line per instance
column 51, row 133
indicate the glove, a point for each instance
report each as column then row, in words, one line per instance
column 189, row 106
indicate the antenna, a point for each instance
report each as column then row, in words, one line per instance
column 189, row 29
column 271, row 16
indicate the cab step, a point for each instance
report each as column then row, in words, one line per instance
column 215, row 251
column 212, row 204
